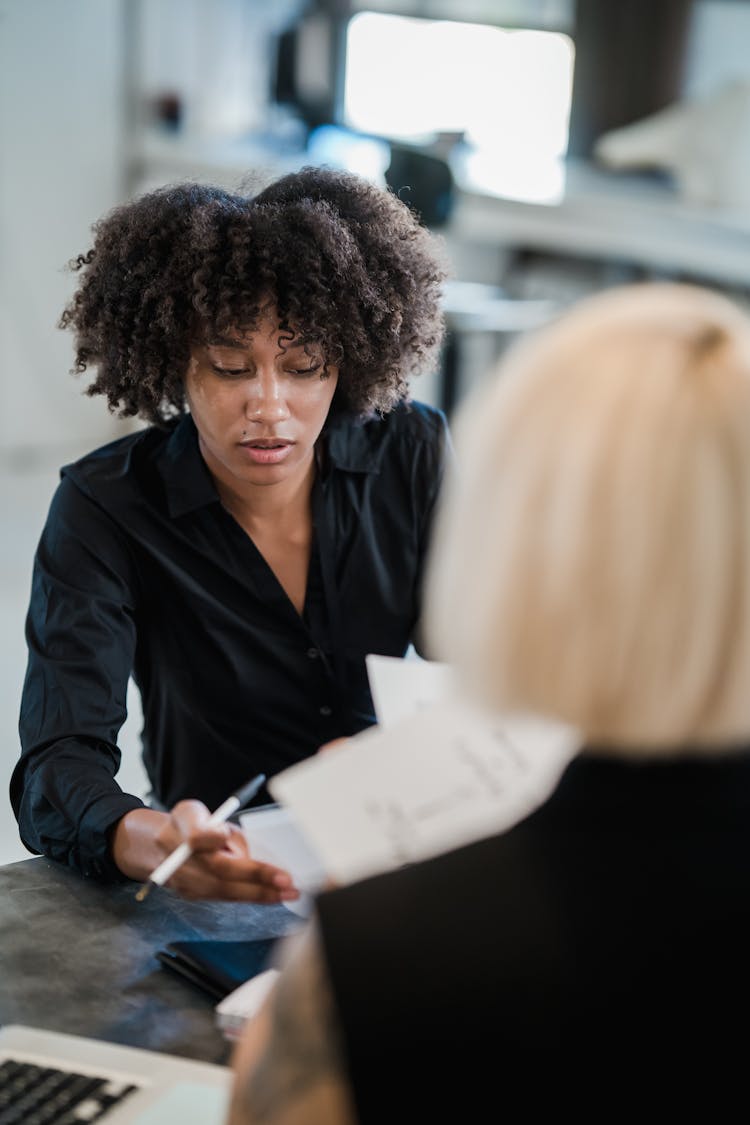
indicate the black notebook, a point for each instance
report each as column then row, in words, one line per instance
column 217, row 967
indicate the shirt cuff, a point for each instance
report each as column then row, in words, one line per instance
column 94, row 858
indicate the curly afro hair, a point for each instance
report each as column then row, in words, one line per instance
column 346, row 264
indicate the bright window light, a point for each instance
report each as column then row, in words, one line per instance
column 507, row 91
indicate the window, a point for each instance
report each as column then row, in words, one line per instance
column 507, row 92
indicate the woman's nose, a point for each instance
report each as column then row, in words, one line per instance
column 266, row 401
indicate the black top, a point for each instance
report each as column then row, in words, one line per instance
column 141, row 569
column 592, row 958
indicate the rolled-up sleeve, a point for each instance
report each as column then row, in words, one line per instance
column 81, row 636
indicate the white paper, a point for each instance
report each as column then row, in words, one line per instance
column 403, row 687
column 243, row 1002
column 274, row 837
column 436, row 780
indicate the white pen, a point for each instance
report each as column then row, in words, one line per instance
column 167, row 867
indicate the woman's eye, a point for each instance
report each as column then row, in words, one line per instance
column 305, row 371
column 230, row 372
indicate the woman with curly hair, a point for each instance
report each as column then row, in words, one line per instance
column 241, row 554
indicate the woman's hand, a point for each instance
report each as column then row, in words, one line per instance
column 220, row 868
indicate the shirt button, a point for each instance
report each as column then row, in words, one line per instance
column 325, row 710
column 312, row 653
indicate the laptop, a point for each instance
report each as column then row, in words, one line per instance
column 44, row 1073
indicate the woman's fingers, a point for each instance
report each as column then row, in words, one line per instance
column 188, row 817
column 189, row 823
column 237, row 882
column 221, row 866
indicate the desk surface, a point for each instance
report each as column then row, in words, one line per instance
column 79, row 957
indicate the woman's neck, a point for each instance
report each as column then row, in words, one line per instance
column 285, row 505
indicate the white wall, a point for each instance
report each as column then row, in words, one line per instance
column 61, row 165
column 215, row 55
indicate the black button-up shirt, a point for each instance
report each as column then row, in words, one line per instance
column 140, row 570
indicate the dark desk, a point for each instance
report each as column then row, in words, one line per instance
column 79, row 957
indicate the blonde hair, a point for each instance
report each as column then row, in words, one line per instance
column 591, row 559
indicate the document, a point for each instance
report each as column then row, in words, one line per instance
column 403, row 687
column 443, row 776
column 399, row 688
column 274, row 837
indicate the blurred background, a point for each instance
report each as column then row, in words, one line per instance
column 487, row 116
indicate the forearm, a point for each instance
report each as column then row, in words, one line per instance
column 66, row 802
column 81, row 637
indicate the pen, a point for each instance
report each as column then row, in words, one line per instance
column 167, row 867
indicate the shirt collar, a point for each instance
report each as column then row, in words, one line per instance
column 187, row 481
column 352, row 444
column 347, row 444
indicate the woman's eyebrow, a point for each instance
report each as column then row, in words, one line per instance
column 224, row 342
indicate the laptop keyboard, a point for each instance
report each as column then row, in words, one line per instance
column 38, row 1095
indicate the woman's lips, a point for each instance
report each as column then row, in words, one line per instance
column 270, row 452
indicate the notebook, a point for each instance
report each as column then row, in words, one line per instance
column 140, row 1087
column 216, row 967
